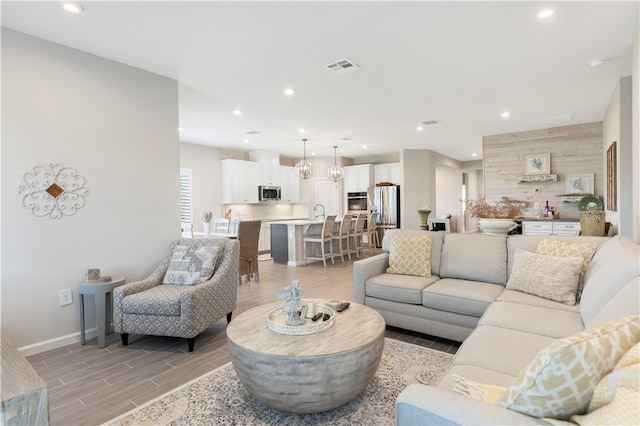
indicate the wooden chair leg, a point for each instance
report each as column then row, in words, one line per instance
column 324, row 261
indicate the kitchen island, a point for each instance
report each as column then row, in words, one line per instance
column 287, row 240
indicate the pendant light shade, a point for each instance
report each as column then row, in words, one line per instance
column 304, row 167
column 335, row 172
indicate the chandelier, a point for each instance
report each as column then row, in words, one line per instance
column 335, row 172
column 304, row 167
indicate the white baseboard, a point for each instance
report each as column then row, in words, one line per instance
column 58, row 342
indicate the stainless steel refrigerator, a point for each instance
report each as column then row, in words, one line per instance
column 386, row 201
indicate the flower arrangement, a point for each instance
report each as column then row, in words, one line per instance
column 206, row 217
column 499, row 210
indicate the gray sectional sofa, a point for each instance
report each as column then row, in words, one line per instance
column 465, row 299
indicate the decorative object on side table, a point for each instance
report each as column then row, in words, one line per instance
column 298, row 318
column 424, row 218
column 592, row 216
column 206, row 221
column 294, row 307
column 497, row 218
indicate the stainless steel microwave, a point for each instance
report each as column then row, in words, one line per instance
column 269, row 193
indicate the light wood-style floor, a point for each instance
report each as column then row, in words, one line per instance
column 89, row 386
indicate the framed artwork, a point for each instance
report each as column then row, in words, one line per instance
column 612, row 178
column 537, row 164
column 580, row 184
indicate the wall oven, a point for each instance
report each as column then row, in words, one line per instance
column 357, row 202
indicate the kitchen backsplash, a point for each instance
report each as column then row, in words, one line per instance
column 267, row 211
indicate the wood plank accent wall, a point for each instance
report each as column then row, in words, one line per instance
column 574, row 149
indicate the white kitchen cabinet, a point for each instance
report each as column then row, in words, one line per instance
column 239, row 181
column 268, row 167
column 358, row 178
column 264, row 242
column 290, row 185
column 550, row 228
column 388, row 172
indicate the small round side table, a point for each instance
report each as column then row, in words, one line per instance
column 102, row 293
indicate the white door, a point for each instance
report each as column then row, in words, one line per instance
column 325, row 192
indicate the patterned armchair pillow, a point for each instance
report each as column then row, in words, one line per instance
column 410, row 255
column 191, row 265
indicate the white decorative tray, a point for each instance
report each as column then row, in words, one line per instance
column 277, row 321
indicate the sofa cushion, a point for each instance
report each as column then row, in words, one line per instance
column 410, row 255
column 159, row 300
column 533, row 319
column 500, row 349
column 460, row 296
column 560, row 380
column 624, row 302
column 191, row 265
column 514, row 296
column 551, row 247
column 554, row 278
column 477, row 257
column 615, row 263
column 398, row 288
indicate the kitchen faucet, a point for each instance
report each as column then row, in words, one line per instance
column 323, row 211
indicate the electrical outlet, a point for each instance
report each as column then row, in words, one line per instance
column 66, row 297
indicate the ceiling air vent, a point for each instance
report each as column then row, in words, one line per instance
column 430, row 122
column 342, row 66
column 253, row 132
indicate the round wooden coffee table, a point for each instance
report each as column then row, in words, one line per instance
column 309, row 373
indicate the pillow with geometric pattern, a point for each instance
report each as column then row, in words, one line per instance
column 561, row 379
column 410, row 255
column 191, row 265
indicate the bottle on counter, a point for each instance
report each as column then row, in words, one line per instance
column 546, row 208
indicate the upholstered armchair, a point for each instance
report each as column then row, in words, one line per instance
column 180, row 308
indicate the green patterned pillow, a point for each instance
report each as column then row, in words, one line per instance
column 561, row 379
column 191, row 265
column 410, row 255
column 553, row 278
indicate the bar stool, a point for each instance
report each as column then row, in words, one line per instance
column 322, row 238
column 342, row 235
column 355, row 234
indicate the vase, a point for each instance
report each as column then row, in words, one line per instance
column 424, row 218
column 207, row 227
column 497, row 226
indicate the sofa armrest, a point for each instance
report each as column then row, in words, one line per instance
column 365, row 269
column 128, row 289
column 421, row 405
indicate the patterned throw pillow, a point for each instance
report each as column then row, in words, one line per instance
column 554, row 278
column 191, row 265
column 561, row 379
column 410, row 255
column 563, row 249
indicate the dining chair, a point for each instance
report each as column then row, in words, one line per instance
column 249, row 235
column 371, row 232
column 322, row 239
column 221, row 224
column 186, row 230
column 341, row 235
column 355, row 234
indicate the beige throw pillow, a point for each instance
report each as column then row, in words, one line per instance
column 557, row 248
column 410, row 255
column 191, row 265
column 554, row 278
column 561, row 379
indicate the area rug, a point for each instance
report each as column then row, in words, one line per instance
column 219, row 398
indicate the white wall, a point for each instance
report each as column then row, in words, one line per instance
column 116, row 125
column 449, row 195
column 610, row 134
column 635, row 82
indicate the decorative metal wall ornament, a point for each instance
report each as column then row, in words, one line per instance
column 53, row 191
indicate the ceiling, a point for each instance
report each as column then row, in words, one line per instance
column 460, row 63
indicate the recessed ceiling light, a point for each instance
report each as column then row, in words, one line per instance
column 302, row 130
column 545, row 13
column 505, row 114
column 72, row 7
column 364, row 147
column 289, row 91
column 313, row 153
column 181, row 129
column 474, row 155
column 237, row 112
column 247, row 141
column 596, row 62
column 419, row 128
